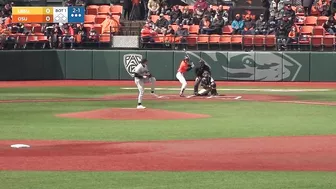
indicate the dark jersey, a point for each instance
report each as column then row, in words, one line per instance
column 200, row 69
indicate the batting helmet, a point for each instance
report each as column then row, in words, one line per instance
column 144, row 60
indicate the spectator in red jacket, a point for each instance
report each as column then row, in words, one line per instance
column 202, row 3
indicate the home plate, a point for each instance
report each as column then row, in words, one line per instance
column 20, row 146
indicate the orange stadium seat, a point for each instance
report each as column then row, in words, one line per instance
column 100, row 19
column 28, row 27
column 89, row 19
column 203, row 39
column 92, row 9
column 154, row 18
column 310, row 21
column 236, row 39
column 248, row 40
column 318, row 30
column 259, row 40
column 307, row 30
column 116, row 9
column 193, row 29
column 329, row 41
column 321, row 20
column 225, row 39
column 214, row 39
column 98, row 28
column 192, row 40
column 316, row 40
column 104, row 9
column 227, row 30
column 37, row 28
column 270, row 41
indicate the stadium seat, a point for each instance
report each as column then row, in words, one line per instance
column 89, row 19
column 236, row 39
column 100, row 19
column 28, row 27
column 310, row 21
column 214, row 39
column 37, row 28
column 98, row 28
column 116, row 9
column 321, row 20
column 306, row 30
column 154, row 18
column 316, row 40
column 248, row 40
column 193, row 29
column 92, row 10
column 203, row 39
column 192, row 40
column 225, row 39
column 104, row 9
column 318, row 30
column 259, row 40
column 270, row 41
column 314, row 11
column 329, row 41
column 227, row 30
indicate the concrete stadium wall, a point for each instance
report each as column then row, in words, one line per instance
column 107, row 64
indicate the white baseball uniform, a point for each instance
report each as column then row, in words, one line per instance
column 142, row 70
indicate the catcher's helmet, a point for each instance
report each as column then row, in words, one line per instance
column 201, row 62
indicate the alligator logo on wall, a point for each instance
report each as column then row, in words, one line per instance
column 131, row 61
column 249, row 66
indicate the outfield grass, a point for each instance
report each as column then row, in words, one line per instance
column 228, row 119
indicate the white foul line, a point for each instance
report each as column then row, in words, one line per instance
column 228, row 89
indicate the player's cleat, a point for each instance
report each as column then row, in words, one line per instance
column 182, row 95
column 153, row 94
column 141, row 107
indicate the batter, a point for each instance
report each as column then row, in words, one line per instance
column 142, row 76
column 185, row 66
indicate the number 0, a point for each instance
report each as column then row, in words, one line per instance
column 47, row 18
column 47, row 10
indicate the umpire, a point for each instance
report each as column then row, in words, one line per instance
column 199, row 70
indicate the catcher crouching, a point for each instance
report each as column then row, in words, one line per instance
column 204, row 79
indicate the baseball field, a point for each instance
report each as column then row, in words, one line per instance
column 88, row 135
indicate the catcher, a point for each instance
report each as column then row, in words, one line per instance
column 208, row 84
column 199, row 71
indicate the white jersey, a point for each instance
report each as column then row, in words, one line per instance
column 141, row 69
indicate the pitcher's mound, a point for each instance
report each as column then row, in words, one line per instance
column 132, row 114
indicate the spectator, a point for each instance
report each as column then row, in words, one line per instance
column 110, row 25
column 266, row 4
column 286, row 23
column 205, row 25
column 330, row 25
column 202, row 4
column 281, row 36
column 150, row 23
column 292, row 36
column 307, row 5
column 289, row 13
column 272, row 25
column 175, row 15
column 220, row 10
column 186, row 16
column 218, row 24
column 280, row 14
column 198, row 14
column 93, row 36
column 147, row 34
column 165, row 9
column 81, row 33
column 80, row 3
column 161, row 24
column 323, row 7
column 7, row 10
column 145, row 7
column 237, row 25
column 181, row 35
column 56, row 35
column 153, row 7
column 261, row 26
column 210, row 13
column 249, row 26
column 127, row 6
column 67, row 38
column 170, row 30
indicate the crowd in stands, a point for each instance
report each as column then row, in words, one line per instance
column 289, row 24
column 177, row 24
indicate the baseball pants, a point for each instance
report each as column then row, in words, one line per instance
column 140, row 83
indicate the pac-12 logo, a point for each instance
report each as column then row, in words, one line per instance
column 131, row 61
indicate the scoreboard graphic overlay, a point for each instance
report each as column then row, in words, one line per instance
column 48, row 14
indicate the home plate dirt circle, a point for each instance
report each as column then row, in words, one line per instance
column 132, row 114
column 303, row 153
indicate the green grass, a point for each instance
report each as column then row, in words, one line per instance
column 228, row 119
column 171, row 180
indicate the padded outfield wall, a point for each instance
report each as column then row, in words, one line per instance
column 117, row 65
